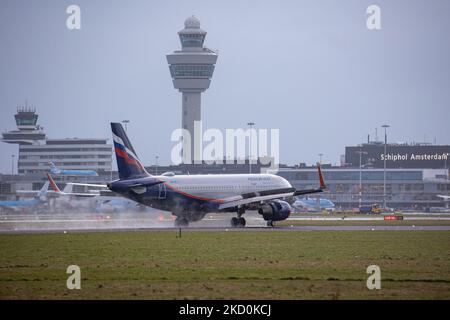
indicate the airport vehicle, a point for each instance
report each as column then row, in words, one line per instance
column 56, row 170
column 314, row 205
column 37, row 200
column 370, row 209
column 190, row 197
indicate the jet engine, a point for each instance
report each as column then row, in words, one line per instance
column 275, row 210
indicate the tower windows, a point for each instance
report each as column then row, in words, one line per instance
column 192, row 40
column 191, row 70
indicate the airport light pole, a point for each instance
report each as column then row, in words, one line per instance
column 360, row 175
column 12, row 164
column 156, row 165
column 250, row 124
column 385, row 126
column 445, row 167
column 320, row 158
column 126, row 122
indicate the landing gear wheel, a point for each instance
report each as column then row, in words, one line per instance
column 270, row 223
column 181, row 222
column 238, row 222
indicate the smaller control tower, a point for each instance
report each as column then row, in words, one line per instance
column 28, row 131
column 191, row 70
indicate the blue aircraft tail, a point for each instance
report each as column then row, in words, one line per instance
column 127, row 161
column 43, row 190
column 53, row 168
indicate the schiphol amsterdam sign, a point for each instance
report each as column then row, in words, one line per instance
column 414, row 156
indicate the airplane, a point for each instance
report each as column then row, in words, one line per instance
column 191, row 197
column 67, row 189
column 312, row 204
column 56, row 170
column 103, row 203
column 37, row 200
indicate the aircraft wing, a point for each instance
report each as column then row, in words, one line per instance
column 266, row 195
column 240, row 200
column 27, row 191
column 87, row 195
column 88, row 185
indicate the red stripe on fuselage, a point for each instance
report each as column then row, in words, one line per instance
column 192, row 196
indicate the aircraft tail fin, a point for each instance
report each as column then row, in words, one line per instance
column 43, row 190
column 53, row 168
column 68, row 188
column 53, row 184
column 128, row 163
column 323, row 186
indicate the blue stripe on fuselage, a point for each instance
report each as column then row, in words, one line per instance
column 169, row 199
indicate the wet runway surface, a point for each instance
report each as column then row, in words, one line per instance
column 246, row 229
column 158, row 221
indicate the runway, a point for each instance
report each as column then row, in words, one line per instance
column 158, row 221
column 246, row 229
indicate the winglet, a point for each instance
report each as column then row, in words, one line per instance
column 53, row 184
column 323, row 186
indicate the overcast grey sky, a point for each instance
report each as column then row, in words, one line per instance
column 310, row 68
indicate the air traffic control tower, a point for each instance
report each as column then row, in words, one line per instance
column 191, row 70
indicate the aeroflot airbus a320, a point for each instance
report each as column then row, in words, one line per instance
column 191, row 197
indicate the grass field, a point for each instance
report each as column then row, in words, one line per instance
column 344, row 222
column 227, row 265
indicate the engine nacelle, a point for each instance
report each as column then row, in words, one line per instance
column 275, row 210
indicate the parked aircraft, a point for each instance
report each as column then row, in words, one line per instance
column 55, row 170
column 39, row 199
column 314, row 205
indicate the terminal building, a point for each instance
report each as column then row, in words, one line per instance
column 398, row 155
column 405, row 188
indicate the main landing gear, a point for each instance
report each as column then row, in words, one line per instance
column 238, row 222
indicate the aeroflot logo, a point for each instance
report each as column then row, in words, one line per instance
column 213, row 146
column 413, row 156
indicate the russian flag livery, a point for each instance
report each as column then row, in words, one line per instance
column 127, row 161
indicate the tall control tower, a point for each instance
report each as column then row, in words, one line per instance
column 191, row 70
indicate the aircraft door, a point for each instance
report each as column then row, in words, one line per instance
column 162, row 191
